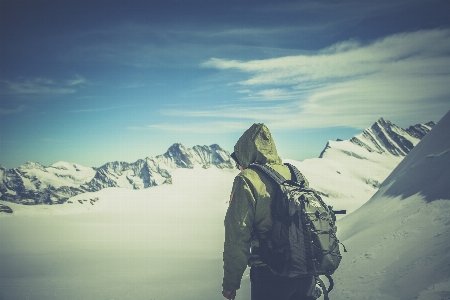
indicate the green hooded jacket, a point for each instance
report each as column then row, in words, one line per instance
column 249, row 213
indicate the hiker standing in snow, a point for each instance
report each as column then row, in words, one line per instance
column 248, row 221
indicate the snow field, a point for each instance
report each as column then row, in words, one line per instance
column 397, row 249
column 160, row 243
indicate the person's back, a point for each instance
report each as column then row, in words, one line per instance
column 249, row 220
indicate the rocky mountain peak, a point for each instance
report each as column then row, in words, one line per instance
column 420, row 130
column 383, row 122
column 180, row 155
column 33, row 183
column 385, row 137
column 32, row 165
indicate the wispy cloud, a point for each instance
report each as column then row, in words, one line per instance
column 35, row 86
column 92, row 110
column 41, row 86
column 76, row 81
column 404, row 76
column 274, row 94
column 241, row 112
column 196, row 127
column 348, row 59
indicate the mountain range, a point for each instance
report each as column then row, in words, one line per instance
column 33, row 183
column 130, row 242
column 383, row 144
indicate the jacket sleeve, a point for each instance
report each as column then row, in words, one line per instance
column 238, row 233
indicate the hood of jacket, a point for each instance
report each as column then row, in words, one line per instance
column 256, row 145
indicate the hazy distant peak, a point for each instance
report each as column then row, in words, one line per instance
column 32, row 165
column 33, row 183
column 420, row 130
column 385, row 137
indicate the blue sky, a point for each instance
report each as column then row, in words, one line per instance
column 96, row 81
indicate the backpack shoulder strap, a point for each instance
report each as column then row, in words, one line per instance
column 277, row 177
column 297, row 176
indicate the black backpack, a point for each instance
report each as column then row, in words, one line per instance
column 303, row 240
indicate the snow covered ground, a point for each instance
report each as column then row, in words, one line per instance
column 166, row 242
column 160, row 243
column 347, row 181
column 399, row 241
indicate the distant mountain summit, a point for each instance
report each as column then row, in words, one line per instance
column 177, row 156
column 385, row 137
column 33, row 183
column 348, row 172
column 420, row 130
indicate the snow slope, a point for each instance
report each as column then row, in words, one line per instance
column 348, row 175
column 398, row 241
column 161, row 243
column 349, row 172
column 35, row 176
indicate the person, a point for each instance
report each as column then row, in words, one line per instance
column 248, row 221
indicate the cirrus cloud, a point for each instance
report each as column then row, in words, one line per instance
column 41, row 86
column 403, row 76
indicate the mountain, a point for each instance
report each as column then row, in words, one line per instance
column 33, row 183
column 385, row 137
column 348, row 172
column 154, row 171
column 131, row 242
column 365, row 160
column 398, row 241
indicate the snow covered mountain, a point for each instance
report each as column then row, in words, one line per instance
column 349, row 172
column 154, row 171
column 33, row 183
column 158, row 243
column 398, row 242
column 384, row 136
column 365, row 160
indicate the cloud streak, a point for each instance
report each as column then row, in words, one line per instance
column 196, row 127
column 41, row 86
column 93, row 110
column 402, row 77
column 347, row 59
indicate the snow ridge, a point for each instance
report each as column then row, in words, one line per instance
column 33, row 183
column 349, row 172
column 384, row 136
column 398, row 240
